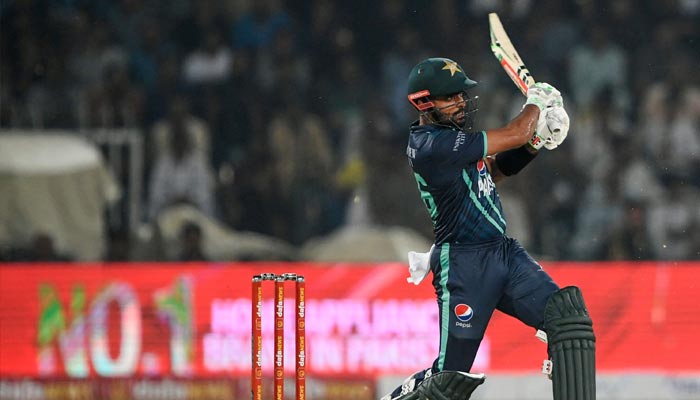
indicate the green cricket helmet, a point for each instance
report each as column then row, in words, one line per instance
column 436, row 77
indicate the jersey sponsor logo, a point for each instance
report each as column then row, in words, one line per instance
column 481, row 167
column 464, row 314
column 486, row 186
column 485, row 182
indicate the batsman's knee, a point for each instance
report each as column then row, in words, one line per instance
column 566, row 316
column 571, row 343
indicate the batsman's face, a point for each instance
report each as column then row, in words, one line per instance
column 452, row 106
column 454, row 109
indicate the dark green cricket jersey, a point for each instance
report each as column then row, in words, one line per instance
column 455, row 184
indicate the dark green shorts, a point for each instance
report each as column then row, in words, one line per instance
column 471, row 281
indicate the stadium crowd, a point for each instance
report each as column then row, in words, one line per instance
column 289, row 118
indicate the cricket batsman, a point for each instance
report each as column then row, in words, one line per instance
column 476, row 267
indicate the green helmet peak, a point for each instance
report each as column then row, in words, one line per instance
column 439, row 76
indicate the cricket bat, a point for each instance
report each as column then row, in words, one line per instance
column 510, row 60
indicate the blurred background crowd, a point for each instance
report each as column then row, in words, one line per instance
column 289, row 119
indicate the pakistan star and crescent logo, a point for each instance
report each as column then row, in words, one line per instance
column 452, row 67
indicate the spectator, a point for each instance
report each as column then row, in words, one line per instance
column 559, row 205
column 241, row 117
column 179, row 115
column 257, row 28
column 302, row 161
column 283, row 63
column 396, row 65
column 51, row 102
column 191, row 242
column 599, row 215
column 206, row 15
column 90, row 50
column 180, row 175
column 117, row 102
column 596, row 64
column 210, row 62
column 349, row 94
column 251, row 191
column 167, row 86
column 670, row 113
column 128, row 19
column 597, row 127
column 42, row 249
column 673, row 221
column 631, row 241
column 118, row 246
column 560, row 32
column 146, row 54
column 325, row 30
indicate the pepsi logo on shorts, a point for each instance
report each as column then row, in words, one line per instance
column 463, row 312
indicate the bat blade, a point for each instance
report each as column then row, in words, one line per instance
column 506, row 54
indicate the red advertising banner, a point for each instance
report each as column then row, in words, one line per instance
column 149, row 388
column 362, row 320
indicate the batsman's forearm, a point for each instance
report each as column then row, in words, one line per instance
column 516, row 133
column 525, row 123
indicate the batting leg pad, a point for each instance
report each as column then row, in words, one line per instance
column 571, row 345
column 446, row 385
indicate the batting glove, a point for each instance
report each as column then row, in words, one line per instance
column 556, row 127
column 543, row 95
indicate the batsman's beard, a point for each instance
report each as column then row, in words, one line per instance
column 462, row 119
